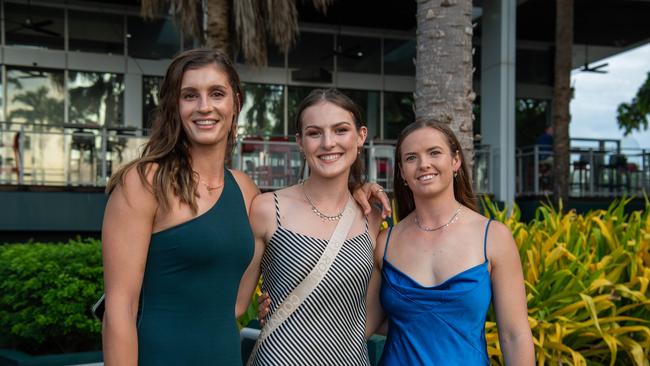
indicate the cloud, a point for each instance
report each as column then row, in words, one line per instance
column 593, row 109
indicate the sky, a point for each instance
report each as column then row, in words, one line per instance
column 596, row 97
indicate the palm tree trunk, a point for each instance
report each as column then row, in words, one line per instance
column 217, row 34
column 443, row 69
column 562, row 97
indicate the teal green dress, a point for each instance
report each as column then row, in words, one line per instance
column 187, row 302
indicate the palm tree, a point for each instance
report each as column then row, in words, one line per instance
column 562, row 97
column 254, row 22
column 443, row 68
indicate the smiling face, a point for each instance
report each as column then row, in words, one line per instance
column 427, row 163
column 207, row 105
column 329, row 139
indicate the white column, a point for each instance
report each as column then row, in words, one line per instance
column 498, row 47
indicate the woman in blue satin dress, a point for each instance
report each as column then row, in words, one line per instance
column 444, row 263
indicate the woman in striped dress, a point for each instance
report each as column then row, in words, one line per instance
column 291, row 229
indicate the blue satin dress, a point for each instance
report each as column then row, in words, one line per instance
column 436, row 325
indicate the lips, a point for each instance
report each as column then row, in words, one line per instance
column 330, row 157
column 427, row 177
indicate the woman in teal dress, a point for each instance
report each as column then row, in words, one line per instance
column 444, row 263
column 176, row 238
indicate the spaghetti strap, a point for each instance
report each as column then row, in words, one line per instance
column 277, row 209
column 487, row 226
column 390, row 230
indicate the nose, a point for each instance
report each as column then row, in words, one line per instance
column 204, row 104
column 327, row 140
column 425, row 163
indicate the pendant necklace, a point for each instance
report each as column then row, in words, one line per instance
column 317, row 211
column 208, row 187
column 453, row 219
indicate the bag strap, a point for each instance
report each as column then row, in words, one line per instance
column 313, row 279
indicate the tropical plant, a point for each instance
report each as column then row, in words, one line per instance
column 254, row 22
column 634, row 115
column 587, row 282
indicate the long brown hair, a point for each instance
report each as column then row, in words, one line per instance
column 168, row 145
column 462, row 183
column 357, row 176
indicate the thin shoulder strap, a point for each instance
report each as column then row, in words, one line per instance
column 487, row 226
column 390, row 230
column 277, row 209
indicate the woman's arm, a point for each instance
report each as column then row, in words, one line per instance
column 374, row 312
column 509, row 297
column 262, row 219
column 126, row 232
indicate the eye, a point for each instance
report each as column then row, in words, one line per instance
column 313, row 133
column 189, row 96
column 409, row 158
column 341, row 130
column 217, row 94
column 435, row 152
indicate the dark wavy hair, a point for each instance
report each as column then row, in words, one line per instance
column 168, row 145
column 357, row 173
column 462, row 183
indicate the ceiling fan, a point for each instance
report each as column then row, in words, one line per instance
column 354, row 52
column 29, row 24
column 596, row 68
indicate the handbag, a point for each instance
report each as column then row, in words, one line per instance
column 313, row 279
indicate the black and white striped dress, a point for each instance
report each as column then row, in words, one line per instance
column 328, row 328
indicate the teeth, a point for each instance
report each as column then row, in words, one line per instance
column 205, row 122
column 330, row 157
column 426, row 177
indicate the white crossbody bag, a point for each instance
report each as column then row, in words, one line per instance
column 309, row 284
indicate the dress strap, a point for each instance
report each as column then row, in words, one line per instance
column 390, row 230
column 277, row 209
column 487, row 226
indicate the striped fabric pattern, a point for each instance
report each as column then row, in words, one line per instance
column 328, row 328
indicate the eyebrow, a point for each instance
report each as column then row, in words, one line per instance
column 213, row 87
column 428, row 150
column 338, row 124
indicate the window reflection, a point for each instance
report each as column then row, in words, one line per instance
column 263, row 111
column 358, row 54
column 34, row 26
column 152, row 39
column 96, row 98
column 531, row 118
column 94, row 32
column 398, row 113
column 398, row 57
column 313, row 57
column 34, row 96
column 150, row 93
column 368, row 101
column 295, row 96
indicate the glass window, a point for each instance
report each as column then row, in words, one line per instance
column 358, row 54
column 95, row 32
column 368, row 101
column 96, row 98
column 263, row 111
column 313, row 56
column 398, row 57
column 150, row 92
column 398, row 113
column 295, row 96
column 275, row 58
column 35, row 26
column 34, row 96
column 531, row 118
column 534, row 66
column 152, row 39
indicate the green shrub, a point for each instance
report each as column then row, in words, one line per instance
column 46, row 291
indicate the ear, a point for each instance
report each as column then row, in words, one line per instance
column 363, row 134
column 299, row 141
column 456, row 161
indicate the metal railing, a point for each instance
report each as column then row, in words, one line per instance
column 78, row 155
column 592, row 172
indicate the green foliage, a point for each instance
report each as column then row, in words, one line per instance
column 46, row 291
column 634, row 115
column 586, row 280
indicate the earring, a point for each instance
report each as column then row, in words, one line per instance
column 406, row 184
column 455, row 174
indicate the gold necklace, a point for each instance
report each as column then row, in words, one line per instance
column 453, row 219
column 315, row 210
column 210, row 188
